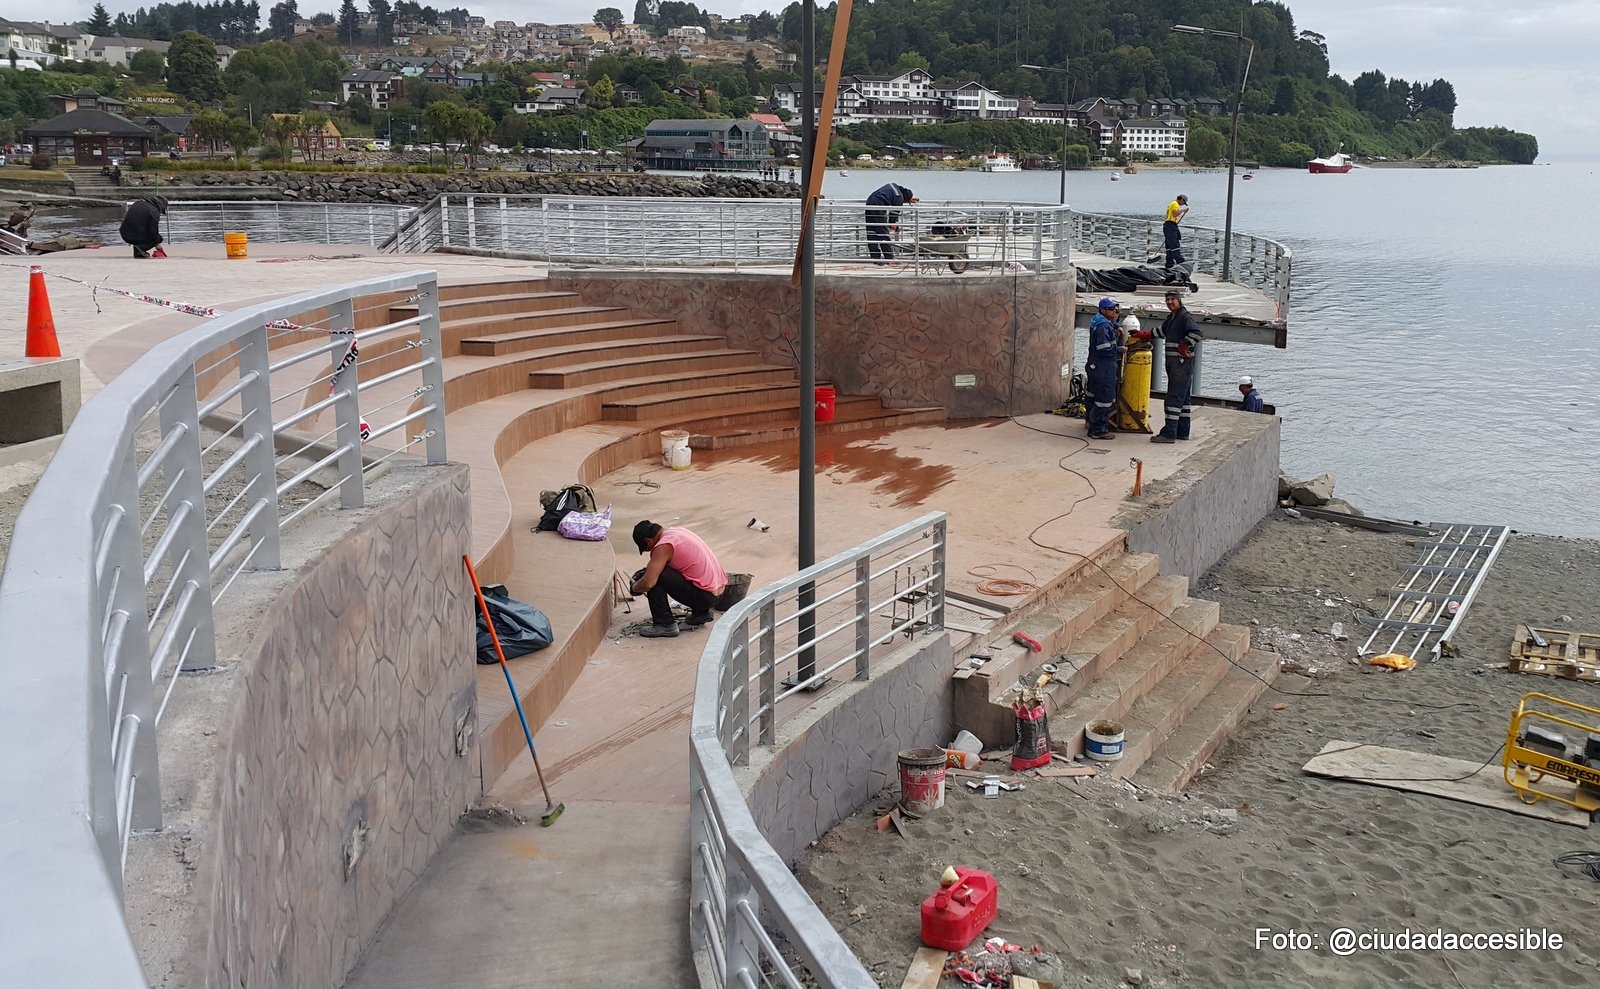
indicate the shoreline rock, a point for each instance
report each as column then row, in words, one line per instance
column 418, row 188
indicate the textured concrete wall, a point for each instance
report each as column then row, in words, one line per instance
column 329, row 754
column 829, row 762
column 1195, row 517
column 904, row 338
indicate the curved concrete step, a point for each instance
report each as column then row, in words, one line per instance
column 677, row 405
column 685, row 364
column 1158, row 714
column 476, row 379
column 862, row 414
column 514, row 340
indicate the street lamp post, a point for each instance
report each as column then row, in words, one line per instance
column 1066, row 122
column 1233, row 148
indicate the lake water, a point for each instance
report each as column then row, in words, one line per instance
column 1444, row 347
column 1443, row 361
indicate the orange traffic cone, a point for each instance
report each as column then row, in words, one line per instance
column 41, row 324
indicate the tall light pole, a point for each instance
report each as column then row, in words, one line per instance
column 1233, row 148
column 1066, row 122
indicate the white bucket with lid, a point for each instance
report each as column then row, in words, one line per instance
column 675, row 449
column 1102, row 741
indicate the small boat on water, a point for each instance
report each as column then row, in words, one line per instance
column 1247, row 176
column 1000, row 163
column 1115, row 177
column 844, row 171
column 1335, row 164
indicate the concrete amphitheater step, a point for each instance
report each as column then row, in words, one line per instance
column 687, row 404
column 856, row 413
column 1078, row 660
column 1115, row 691
column 1156, row 716
column 519, row 338
column 688, row 364
column 476, row 379
column 501, row 304
column 1187, row 750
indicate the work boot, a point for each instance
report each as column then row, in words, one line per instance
column 699, row 618
column 655, row 631
column 1162, row 438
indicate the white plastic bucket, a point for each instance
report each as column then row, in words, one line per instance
column 675, row 449
column 1102, row 741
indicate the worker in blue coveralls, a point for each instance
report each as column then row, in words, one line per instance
column 1182, row 337
column 1105, row 358
column 1250, row 399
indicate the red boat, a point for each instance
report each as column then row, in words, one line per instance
column 1336, row 164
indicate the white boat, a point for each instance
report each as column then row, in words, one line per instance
column 1000, row 163
column 1115, row 177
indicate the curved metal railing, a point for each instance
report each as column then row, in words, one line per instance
column 751, row 922
column 286, row 222
column 1258, row 262
column 636, row 232
column 137, row 529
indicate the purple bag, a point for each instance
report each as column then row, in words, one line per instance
column 591, row 526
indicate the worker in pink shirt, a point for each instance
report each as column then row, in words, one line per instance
column 681, row 567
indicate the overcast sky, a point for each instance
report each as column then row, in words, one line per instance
column 1527, row 64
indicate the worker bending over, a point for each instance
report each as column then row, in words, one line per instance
column 683, row 568
column 1250, row 400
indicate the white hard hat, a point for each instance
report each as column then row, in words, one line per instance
column 1130, row 323
column 1246, row 380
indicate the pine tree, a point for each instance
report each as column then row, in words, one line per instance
column 349, row 22
column 99, row 24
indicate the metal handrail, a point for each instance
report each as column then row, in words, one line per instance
column 631, row 232
column 1258, row 262
column 737, row 878
column 127, row 514
column 285, row 222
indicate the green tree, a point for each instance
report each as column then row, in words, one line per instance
column 609, row 20
column 359, row 109
column 312, row 125
column 443, row 122
column 383, row 16
column 99, row 23
column 752, row 74
column 602, row 93
column 349, row 22
column 192, row 67
column 1283, row 101
column 240, row 136
column 1205, row 146
column 147, row 66
column 1077, row 156
column 280, row 22
column 644, row 12
column 281, row 129
column 211, row 126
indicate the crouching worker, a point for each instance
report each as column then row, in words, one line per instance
column 683, row 568
column 141, row 226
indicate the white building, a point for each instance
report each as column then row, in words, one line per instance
column 376, row 86
column 691, row 34
column 1164, row 138
column 977, row 100
column 116, row 50
column 913, row 84
column 43, row 43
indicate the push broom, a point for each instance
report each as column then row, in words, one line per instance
column 552, row 810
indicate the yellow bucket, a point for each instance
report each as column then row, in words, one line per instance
column 238, row 244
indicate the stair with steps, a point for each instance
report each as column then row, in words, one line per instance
column 1129, row 646
column 543, row 390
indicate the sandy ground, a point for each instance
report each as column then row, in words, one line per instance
column 1119, row 887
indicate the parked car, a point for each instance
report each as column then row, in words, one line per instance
column 378, row 145
column 863, row 157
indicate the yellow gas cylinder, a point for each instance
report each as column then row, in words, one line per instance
column 1132, row 414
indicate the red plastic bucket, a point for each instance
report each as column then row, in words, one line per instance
column 825, row 403
column 921, row 780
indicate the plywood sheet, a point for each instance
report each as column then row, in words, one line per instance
column 926, row 968
column 1414, row 772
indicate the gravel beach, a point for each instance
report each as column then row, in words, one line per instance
column 1119, row 887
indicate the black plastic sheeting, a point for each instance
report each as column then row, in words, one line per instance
column 1129, row 278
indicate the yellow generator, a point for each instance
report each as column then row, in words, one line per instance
column 1554, row 740
column 1132, row 414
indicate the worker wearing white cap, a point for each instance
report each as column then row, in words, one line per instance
column 1252, row 401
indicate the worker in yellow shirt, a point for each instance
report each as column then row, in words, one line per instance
column 1176, row 211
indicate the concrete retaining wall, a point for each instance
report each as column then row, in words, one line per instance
column 905, row 338
column 316, row 771
column 830, row 762
column 1195, row 517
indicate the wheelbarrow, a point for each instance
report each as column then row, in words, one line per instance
column 939, row 246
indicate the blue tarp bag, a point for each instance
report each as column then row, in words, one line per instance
column 522, row 627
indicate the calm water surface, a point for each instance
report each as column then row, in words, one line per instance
column 1444, row 341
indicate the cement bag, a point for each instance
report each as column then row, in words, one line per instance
column 522, row 627
column 1033, row 736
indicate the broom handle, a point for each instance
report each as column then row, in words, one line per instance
column 483, row 607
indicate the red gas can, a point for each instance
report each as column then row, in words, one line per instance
column 954, row 916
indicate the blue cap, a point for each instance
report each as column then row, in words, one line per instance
column 1110, row 304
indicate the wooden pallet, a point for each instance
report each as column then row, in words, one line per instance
column 1569, row 654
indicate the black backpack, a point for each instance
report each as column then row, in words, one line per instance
column 558, row 504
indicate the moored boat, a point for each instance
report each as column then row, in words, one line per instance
column 1000, row 163
column 1335, row 164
